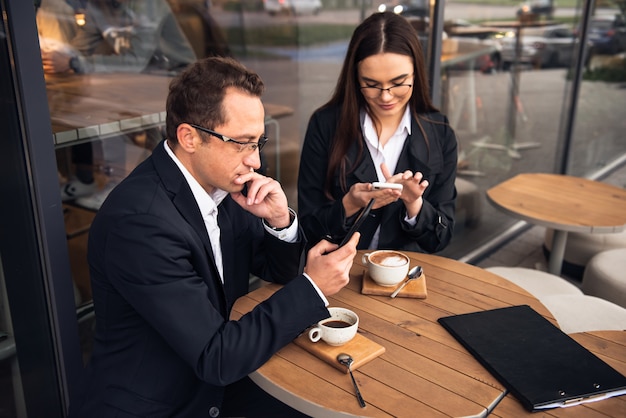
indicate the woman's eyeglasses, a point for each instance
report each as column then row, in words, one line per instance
column 250, row 146
column 397, row 90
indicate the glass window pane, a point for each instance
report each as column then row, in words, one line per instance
column 504, row 98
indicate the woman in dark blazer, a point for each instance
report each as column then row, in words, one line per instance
column 380, row 126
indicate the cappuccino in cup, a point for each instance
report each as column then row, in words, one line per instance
column 386, row 267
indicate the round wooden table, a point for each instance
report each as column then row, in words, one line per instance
column 423, row 371
column 563, row 203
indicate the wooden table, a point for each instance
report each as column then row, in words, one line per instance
column 563, row 203
column 424, row 371
column 89, row 107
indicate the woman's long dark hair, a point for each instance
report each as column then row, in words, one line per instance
column 379, row 33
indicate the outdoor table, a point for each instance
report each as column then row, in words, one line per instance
column 563, row 203
column 423, row 371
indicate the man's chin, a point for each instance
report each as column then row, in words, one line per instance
column 237, row 188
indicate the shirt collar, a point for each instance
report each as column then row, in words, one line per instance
column 206, row 202
column 369, row 132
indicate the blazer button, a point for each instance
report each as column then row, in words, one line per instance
column 214, row 412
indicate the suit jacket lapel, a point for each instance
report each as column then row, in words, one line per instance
column 182, row 197
column 365, row 172
column 228, row 250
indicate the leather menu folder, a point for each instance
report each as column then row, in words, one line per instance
column 537, row 362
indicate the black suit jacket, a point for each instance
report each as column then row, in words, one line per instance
column 163, row 344
column 437, row 160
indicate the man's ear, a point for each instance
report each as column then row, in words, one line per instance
column 187, row 138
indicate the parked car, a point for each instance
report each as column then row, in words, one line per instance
column 407, row 8
column 491, row 61
column 294, row 7
column 607, row 34
column 545, row 46
column 537, row 7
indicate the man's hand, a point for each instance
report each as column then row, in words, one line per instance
column 265, row 199
column 329, row 266
column 55, row 61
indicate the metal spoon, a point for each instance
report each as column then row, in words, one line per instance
column 347, row 361
column 414, row 273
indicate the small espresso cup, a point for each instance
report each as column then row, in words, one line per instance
column 336, row 330
column 386, row 267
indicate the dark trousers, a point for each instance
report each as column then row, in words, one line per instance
column 245, row 399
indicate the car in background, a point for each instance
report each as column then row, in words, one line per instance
column 293, row 7
column 541, row 47
column 607, row 34
column 491, row 61
column 537, row 8
column 406, row 8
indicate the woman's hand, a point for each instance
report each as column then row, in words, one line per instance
column 413, row 187
column 360, row 194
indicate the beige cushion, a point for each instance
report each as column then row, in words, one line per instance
column 605, row 276
column 538, row 283
column 580, row 313
column 581, row 246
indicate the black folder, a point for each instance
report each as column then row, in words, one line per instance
column 537, row 362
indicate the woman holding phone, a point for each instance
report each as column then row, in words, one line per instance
column 380, row 127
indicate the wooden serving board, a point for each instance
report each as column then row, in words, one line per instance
column 415, row 289
column 361, row 348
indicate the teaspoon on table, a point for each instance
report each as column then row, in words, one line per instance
column 347, row 361
column 414, row 273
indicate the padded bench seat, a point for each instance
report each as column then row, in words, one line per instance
column 538, row 283
column 605, row 276
column 580, row 247
column 573, row 310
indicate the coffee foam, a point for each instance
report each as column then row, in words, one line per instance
column 393, row 261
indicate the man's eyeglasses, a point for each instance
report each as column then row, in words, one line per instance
column 397, row 90
column 250, row 146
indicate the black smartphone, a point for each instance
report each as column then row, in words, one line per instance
column 358, row 222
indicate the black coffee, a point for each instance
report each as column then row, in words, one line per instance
column 337, row 324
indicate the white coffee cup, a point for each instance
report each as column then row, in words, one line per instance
column 386, row 267
column 337, row 329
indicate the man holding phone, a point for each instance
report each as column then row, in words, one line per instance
column 173, row 247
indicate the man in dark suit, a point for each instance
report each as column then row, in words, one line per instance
column 171, row 250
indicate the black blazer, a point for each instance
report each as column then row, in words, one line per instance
column 163, row 344
column 320, row 216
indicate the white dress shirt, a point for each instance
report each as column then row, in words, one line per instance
column 388, row 154
column 208, row 204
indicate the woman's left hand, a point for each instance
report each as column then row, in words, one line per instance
column 413, row 187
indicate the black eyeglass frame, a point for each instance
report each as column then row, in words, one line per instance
column 388, row 90
column 252, row 146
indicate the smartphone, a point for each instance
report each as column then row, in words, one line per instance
column 379, row 186
column 358, row 222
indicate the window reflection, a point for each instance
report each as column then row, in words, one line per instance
column 107, row 66
column 107, row 106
